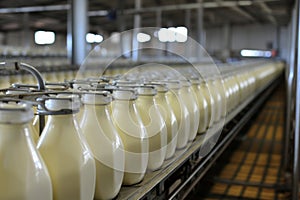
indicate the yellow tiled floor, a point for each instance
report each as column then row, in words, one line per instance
column 253, row 170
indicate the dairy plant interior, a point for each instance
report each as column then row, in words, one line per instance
column 135, row 99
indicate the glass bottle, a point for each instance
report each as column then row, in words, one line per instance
column 105, row 144
column 181, row 113
column 133, row 134
column 169, row 117
column 23, row 173
column 35, row 121
column 190, row 100
column 155, row 126
column 210, row 103
column 219, row 85
column 202, row 105
column 65, row 150
column 215, row 94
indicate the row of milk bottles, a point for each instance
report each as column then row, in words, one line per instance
column 111, row 135
column 114, row 143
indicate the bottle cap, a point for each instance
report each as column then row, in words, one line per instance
column 173, row 84
column 159, row 86
column 97, row 98
column 15, row 113
column 59, row 105
column 124, row 94
column 146, row 91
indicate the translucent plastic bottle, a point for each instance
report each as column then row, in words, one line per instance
column 169, row 117
column 23, row 172
column 190, row 100
column 202, row 105
column 105, row 144
column 133, row 134
column 66, row 152
column 155, row 126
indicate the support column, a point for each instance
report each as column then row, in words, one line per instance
column 295, row 175
column 26, row 38
column 77, row 29
column 121, row 23
column 187, row 19
column 289, row 111
column 137, row 24
column 158, row 18
column 278, row 32
column 226, row 40
column 187, row 22
column 200, row 29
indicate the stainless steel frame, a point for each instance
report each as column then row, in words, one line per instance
column 295, row 177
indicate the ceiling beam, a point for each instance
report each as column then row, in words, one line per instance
column 136, row 11
column 243, row 13
column 268, row 11
column 35, row 9
column 195, row 6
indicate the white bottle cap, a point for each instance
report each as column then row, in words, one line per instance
column 15, row 113
column 146, row 91
column 124, row 94
column 61, row 102
column 173, row 85
column 17, row 91
column 159, row 86
column 124, row 82
column 100, row 98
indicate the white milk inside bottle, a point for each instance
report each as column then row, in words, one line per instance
column 238, row 88
column 155, row 126
column 219, row 84
column 189, row 99
column 169, row 117
column 23, row 172
column 229, row 93
column 181, row 113
column 133, row 134
column 65, row 151
column 215, row 94
column 202, row 105
column 105, row 144
column 210, row 103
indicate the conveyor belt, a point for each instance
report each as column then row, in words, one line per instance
column 253, row 170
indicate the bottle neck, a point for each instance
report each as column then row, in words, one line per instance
column 97, row 109
column 161, row 96
column 11, row 132
column 146, row 98
column 128, row 103
column 65, row 119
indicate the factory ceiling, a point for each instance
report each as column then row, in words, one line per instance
column 110, row 16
